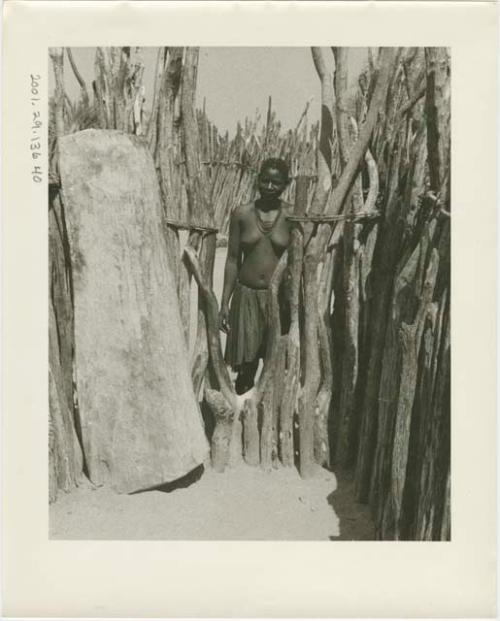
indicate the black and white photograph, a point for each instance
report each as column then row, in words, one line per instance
column 249, row 293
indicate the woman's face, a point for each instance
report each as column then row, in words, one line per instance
column 271, row 183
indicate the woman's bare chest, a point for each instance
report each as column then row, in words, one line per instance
column 271, row 227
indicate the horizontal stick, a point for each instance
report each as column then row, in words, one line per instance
column 190, row 226
column 350, row 217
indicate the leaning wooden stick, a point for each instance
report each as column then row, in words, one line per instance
column 211, row 308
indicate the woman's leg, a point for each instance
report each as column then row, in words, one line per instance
column 246, row 376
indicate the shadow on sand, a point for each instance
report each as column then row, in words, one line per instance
column 185, row 481
column 355, row 522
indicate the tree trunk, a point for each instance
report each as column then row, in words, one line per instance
column 141, row 425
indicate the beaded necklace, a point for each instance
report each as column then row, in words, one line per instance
column 266, row 227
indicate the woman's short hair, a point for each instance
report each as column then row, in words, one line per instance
column 278, row 164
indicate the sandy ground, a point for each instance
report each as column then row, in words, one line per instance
column 242, row 503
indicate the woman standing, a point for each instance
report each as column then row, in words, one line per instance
column 259, row 233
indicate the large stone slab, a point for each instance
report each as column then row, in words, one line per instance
column 140, row 420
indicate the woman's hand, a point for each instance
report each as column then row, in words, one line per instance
column 224, row 319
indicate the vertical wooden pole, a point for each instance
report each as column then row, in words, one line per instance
column 57, row 57
column 65, row 454
column 324, row 165
column 251, row 451
column 194, row 189
column 81, row 82
column 167, row 151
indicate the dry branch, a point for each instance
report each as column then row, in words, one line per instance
column 78, row 76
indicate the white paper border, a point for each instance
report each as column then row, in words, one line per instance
column 331, row 579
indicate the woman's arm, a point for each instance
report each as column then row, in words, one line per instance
column 230, row 269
